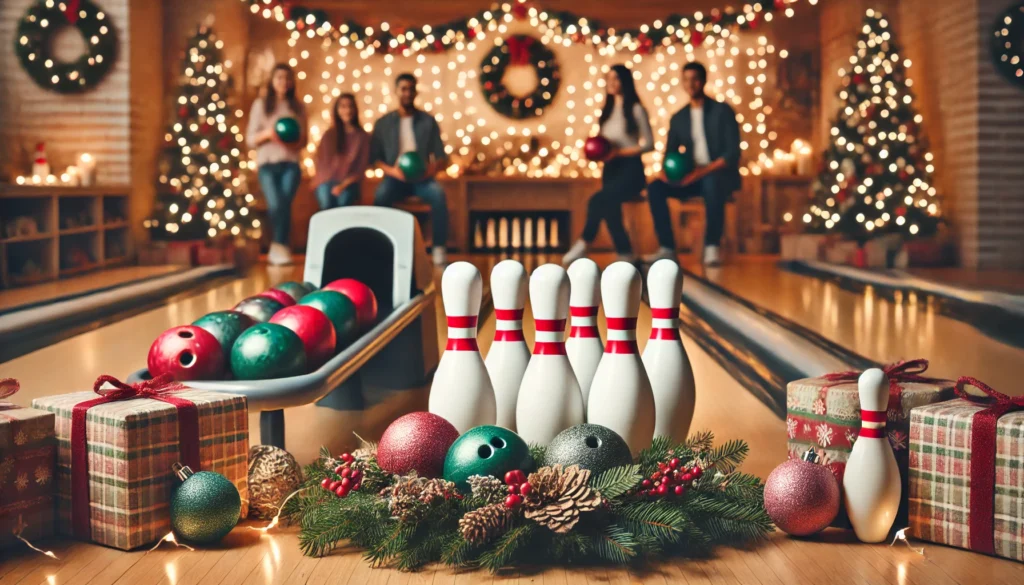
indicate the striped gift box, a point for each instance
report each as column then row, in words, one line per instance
column 27, row 487
column 940, row 477
column 131, row 446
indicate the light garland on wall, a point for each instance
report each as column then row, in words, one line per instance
column 450, row 87
column 1008, row 44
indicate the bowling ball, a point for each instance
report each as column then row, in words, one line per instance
column 677, row 165
column 339, row 309
column 597, row 148
column 294, row 289
column 412, row 166
column 591, row 447
column 310, row 287
column 417, row 441
column 278, row 295
column 267, row 350
column 486, row 450
column 226, row 326
column 288, row 130
column 260, row 308
column 313, row 328
column 186, row 353
column 361, row 296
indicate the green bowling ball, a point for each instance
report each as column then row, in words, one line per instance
column 340, row 310
column 288, row 130
column 226, row 326
column 261, row 309
column 293, row 289
column 486, row 450
column 310, row 287
column 677, row 165
column 412, row 166
column 266, row 351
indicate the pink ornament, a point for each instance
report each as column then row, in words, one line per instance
column 801, row 496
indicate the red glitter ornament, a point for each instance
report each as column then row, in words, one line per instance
column 420, row 441
column 801, row 496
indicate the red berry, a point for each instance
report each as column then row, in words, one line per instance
column 345, row 482
column 520, row 476
column 657, row 475
column 510, row 477
column 334, row 485
column 525, row 488
column 513, row 489
column 697, row 472
column 342, row 491
column 674, row 463
column 356, row 486
column 340, row 470
column 347, row 457
column 356, row 474
column 679, row 490
column 513, row 501
column 345, row 472
column 326, row 483
column 687, row 476
column 645, row 483
column 662, row 466
column 662, row 489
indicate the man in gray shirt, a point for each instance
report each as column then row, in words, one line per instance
column 409, row 129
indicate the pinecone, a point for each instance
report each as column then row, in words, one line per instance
column 488, row 489
column 411, row 497
column 558, row 496
column 484, row 524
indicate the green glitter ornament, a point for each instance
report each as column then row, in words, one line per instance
column 205, row 507
column 590, row 446
column 485, row 450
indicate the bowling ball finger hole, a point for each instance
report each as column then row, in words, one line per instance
column 498, row 443
column 485, row 451
column 185, row 334
column 592, row 442
column 187, row 359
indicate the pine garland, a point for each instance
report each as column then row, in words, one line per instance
column 408, row 522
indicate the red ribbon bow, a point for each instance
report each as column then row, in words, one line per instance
column 519, row 50
column 71, row 10
column 983, row 458
column 8, row 387
column 898, row 374
column 159, row 388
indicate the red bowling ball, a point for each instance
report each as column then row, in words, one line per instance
column 361, row 296
column 313, row 328
column 186, row 353
column 279, row 296
column 597, row 148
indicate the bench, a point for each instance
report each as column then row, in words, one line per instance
column 687, row 225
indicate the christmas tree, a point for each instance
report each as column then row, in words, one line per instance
column 202, row 191
column 876, row 177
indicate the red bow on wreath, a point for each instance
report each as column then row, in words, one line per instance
column 898, row 374
column 519, row 50
column 71, row 10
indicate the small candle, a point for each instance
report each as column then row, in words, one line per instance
column 87, row 169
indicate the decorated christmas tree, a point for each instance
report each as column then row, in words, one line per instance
column 202, row 191
column 877, row 172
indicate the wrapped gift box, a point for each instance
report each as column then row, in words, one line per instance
column 130, row 446
column 28, row 454
column 824, row 413
column 967, row 475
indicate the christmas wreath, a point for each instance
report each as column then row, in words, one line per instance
column 35, row 34
column 519, row 77
column 672, row 500
column 1008, row 44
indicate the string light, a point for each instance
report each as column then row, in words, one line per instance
column 169, row 537
column 19, row 528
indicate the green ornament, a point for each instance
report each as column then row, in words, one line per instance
column 293, row 289
column 677, row 165
column 590, row 446
column 288, row 130
column 339, row 309
column 267, row 351
column 226, row 326
column 485, row 450
column 205, row 507
column 411, row 166
column 259, row 308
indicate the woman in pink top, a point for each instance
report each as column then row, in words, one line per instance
column 342, row 157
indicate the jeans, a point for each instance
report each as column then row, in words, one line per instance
column 327, row 200
column 623, row 179
column 715, row 197
column 392, row 191
column 280, row 181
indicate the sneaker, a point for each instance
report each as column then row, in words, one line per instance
column 577, row 251
column 661, row 254
column 279, row 255
column 440, row 256
column 712, row 256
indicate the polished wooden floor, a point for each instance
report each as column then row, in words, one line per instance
column 248, row 556
column 16, row 297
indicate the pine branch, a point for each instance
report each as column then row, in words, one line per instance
column 615, row 544
column 566, row 548
column 699, row 441
column 729, row 456
column 457, row 552
column 662, row 520
column 649, row 457
column 503, row 551
column 743, row 486
column 538, row 453
column 616, row 481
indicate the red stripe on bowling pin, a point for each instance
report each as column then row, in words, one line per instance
column 584, row 322
column 550, row 337
column 462, row 333
column 508, row 325
column 664, row 323
column 621, row 335
column 872, row 424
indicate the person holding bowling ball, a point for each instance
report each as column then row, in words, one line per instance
column 624, row 123
column 278, row 161
column 411, row 130
column 342, row 156
column 706, row 129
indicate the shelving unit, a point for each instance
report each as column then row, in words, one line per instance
column 49, row 232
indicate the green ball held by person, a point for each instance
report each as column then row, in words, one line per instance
column 677, row 166
column 288, row 130
column 412, row 166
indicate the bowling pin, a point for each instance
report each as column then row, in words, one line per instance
column 542, row 234
column 553, row 240
column 620, row 395
column 584, row 346
column 871, row 483
column 664, row 357
column 516, row 240
column 461, row 391
column 503, row 233
column 492, row 238
column 528, row 233
column 478, row 237
column 549, row 397
column 508, row 357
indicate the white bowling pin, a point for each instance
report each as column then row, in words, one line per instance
column 871, row 483
column 508, row 357
column 549, row 397
column 542, row 234
column 503, row 233
column 478, row 237
column 584, row 345
column 664, row 357
column 492, row 237
column 528, row 233
column 516, row 239
column 620, row 395
column 461, row 391
column 553, row 240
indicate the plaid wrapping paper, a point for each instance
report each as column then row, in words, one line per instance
column 27, row 487
column 940, row 480
column 826, row 416
column 131, row 447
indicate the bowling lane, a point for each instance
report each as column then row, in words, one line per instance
column 873, row 326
